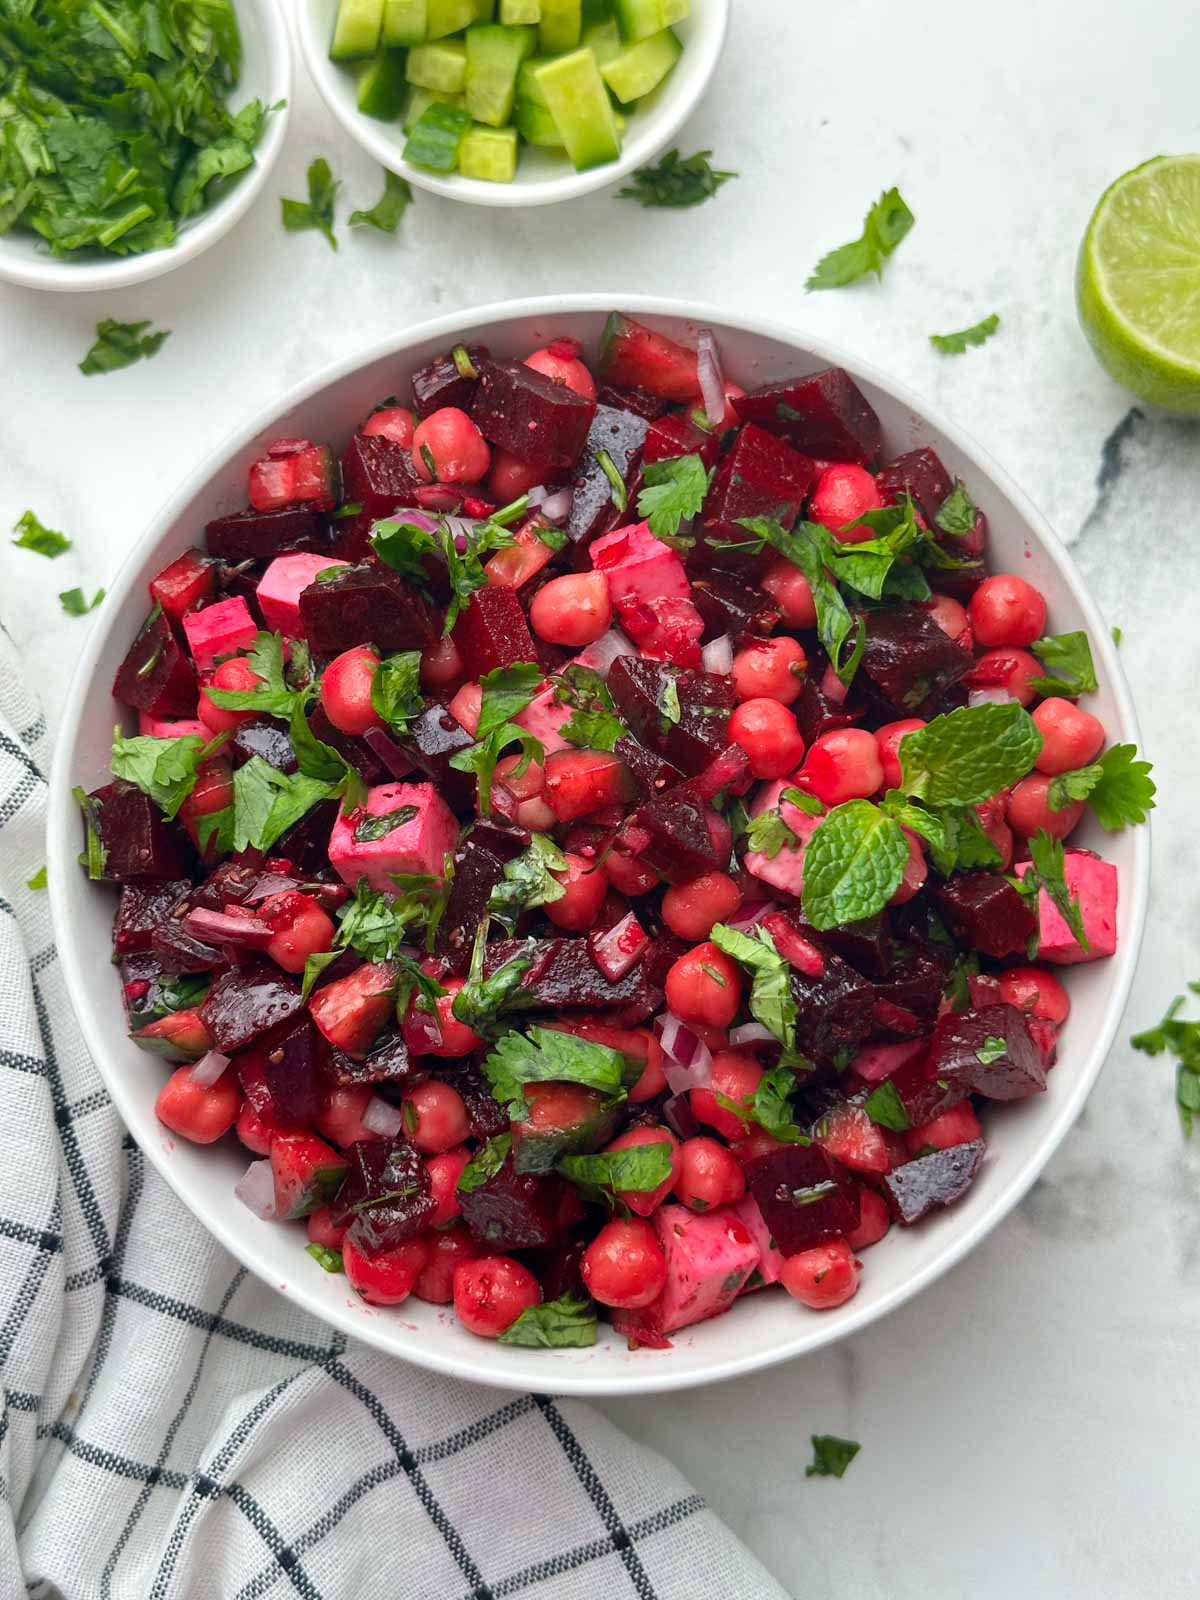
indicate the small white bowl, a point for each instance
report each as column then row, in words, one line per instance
column 543, row 176
column 267, row 76
column 766, row 1327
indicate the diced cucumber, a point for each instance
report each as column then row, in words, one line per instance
column 441, row 66
column 537, row 126
column 356, row 30
column 383, row 88
column 638, row 19
column 421, row 100
column 448, row 16
column 672, row 11
column 579, row 104
column 494, row 57
column 561, row 25
column 485, row 10
column 642, row 67
column 489, row 153
column 404, row 22
column 437, row 137
column 528, row 87
column 513, row 12
column 596, row 11
column 603, row 39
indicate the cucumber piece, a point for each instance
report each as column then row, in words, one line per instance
column 642, row 67
column 441, row 66
column 494, row 57
column 540, row 1149
column 579, row 104
column 356, row 30
column 561, row 25
column 383, row 88
column 529, row 90
column 437, row 137
column 448, row 16
column 596, row 11
column 672, row 11
column 485, row 10
column 638, row 19
column 404, row 22
column 513, row 12
column 489, row 153
column 423, row 98
column 603, row 39
column 537, row 126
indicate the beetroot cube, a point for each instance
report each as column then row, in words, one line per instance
column 633, row 356
column 492, row 632
column 513, row 1211
column 622, row 435
column 542, row 422
column 136, row 841
column 732, row 607
column 915, row 985
column 187, row 582
column 638, row 688
column 294, row 472
column 909, row 661
column 761, row 476
column 431, row 740
column 143, row 906
column 652, row 773
column 221, row 629
column 816, row 713
column 365, row 604
column 262, row 535
column 563, row 974
column 477, row 871
column 835, row 1010
column 378, row 475
column 679, row 845
column 282, row 584
column 1094, row 884
column 805, row 1196
column 939, row 1179
column 825, row 414
column 247, row 1001
column 990, row 1052
column 919, row 473
column 385, row 1195
column 156, row 676
column 986, row 912
column 442, row 384
column 291, row 1061
column 387, row 1061
column 640, row 401
column 674, row 436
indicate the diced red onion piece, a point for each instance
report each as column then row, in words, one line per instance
column 270, row 883
column 989, row 697
column 215, row 927
column 689, row 1060
column 389, row 752
column 417, row 518
column 712, row 380
column 256, row 1189
column 751, row 1033
column 717, row 656
column 833, row 688
column 680, row 1118
column 618, row 948
column 538, row 494
column 600, row 655
column 208, row 1069
column 556, row 507
column 382, row 1117
column 681, row 1079
column 748, row 916
column 879, row 1061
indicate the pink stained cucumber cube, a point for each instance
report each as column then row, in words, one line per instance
column 640, row 568
column 416, row 843
column 221, row 629
column 709, row 1257
column 284, row 581
column 785, row 870
column 171, row 727
column 1094, row 884
column 543, row 717
column 770, row 1256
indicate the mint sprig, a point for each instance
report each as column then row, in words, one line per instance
column 966, row 756
column 853, row 864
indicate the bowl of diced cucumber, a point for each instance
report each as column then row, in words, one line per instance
column 512, row 102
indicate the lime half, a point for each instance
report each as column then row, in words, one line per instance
column 1137, row 287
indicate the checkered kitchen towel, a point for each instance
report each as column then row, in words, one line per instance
column 172, row 1428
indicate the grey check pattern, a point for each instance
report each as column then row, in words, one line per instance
column 173, row 1430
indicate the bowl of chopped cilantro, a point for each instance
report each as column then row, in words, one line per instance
column 133, row 133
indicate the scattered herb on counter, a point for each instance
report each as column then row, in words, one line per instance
column 831, row 1455
column 884, row 226
column 1182, row 1039
column 120, row 344
column 76, row 604
column 317, row 211
column 676, row 181
column 34, row 535
column 957, row 344
column 38, row 881
column 387, row 211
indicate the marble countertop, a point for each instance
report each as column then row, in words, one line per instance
column 1028, row 1422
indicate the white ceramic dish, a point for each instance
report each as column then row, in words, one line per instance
column 767, row 1327
column 543, row 176
column 267, row 76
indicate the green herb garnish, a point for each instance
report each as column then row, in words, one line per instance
column 559, row 1324
column 1069, row 656
column 328, row 1260
column 674, row 493
column 1182, row 1039
column 120, row 344
column 831, row 1455
column 38, row 881
column 884, row 226
column 544, row 1055
column 618, row 493
column 485, row 1163
column 34, row 535
column 387, row 211
column 317, row 212
column 1118, row 788
column 76, row 604
column 956, row 344
column 676, row 181
column 885, row 1107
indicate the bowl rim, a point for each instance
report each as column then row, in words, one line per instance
column 705, row 47
column 87, row 277
column 78, row 965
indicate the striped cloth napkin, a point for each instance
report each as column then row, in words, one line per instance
column 172, row 1428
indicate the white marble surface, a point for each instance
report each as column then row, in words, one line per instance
column 1028, row 1424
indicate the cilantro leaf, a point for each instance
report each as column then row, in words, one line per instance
column 1071, row 655
column 266, row 802
column 853, row 864
column 885, row 1107
column 318, row 211
column 76, row 604
column 768, row 834
column 403, row 546
column 1118, row 787
column 771, row 1001
column 594, row 724
column 375, row 925
column 676, row 181
column 544, row 1055
column 482, row 756
column 560, row 1324
column 120, row 344
column 965, row 756
column 831, row 1455
column 387, row 211
column 528, row 881
column 34, row 535
column 396, row 689
column 485, row 1163
column 1182, row 1040
column 674, row 492
column 957, row 513
column 1045, row 871
column 272, row 696
column 637, row 1169
column 884, row 226
column 956, row 344
column 164, row 769
column 38, row 881
column 481, row 1000
column 809, row 546
column 506, row 693
column 771, row 1105
column 316, row 759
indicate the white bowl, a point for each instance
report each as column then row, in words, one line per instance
column 767, row 1327
column 267, row 76
column 543, row 176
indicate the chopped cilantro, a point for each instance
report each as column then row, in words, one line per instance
column 38, row 881
column 676, row 181
column 618, row 493
column 120, row 344
column 1069, row 655
column 956, row 344
column 544, row 1055
column 387, row 211
column 957, row 513
column 674, row 492
column 76, row 604
column 884, row 226
column 593, row 724
column 317, row 212
column 1118, row 788
column 1045, row 870
column 1182, row 1039
column 831, row 1455
column 485, row 1163
column 328, row 1260
column 885, row 1107
column 34, row 535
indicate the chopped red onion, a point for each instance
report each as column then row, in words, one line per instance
column 606, row 649
column 833, row 688
column 215, row 927
column 680, row 1118
column 989, row 697
column 879, row 1061
column 382, row 1117
column 256, row 1189
column 717, row 656
column 417, row 518
column 389, row 752
column 751, row 1033
column 748, row 916
column 556, row 507
column 208, row 1069
column 618, row 948
column 712, row 380
column 689, row 1060
column 681, row 1079
column 538, row 494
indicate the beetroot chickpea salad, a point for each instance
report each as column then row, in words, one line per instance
column 602, row 844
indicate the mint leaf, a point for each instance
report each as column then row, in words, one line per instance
column 485, row 1163
column 885, row 1107
column 396, row 689
column 318, row 211
column 640, row 1168
column 120, row 344
column 528, row 881
column 76, row 604
column 771, row 1001
column 506, row 693
column 957, row 513
column 768, row 834
column 676, row 181
column 956, row 344
column 164, row 769
column 884, row 226
column 387, row 211
column 544, row 1055
column 967, row 755
column 1070, row 655
column 771, row 1105
column 375, row 825
column 34, row 535
column 674, row 492
column 266, row 803
column 562, row 1324
column 831, row 1455
column 853, row 864
column 1182, row 1040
